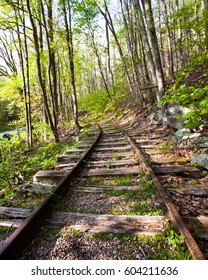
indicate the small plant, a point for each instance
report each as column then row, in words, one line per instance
column 174, row 239
column 76, row 233
column 165, row 148
column 5, row 230
column 193, row 95
column 116, row 157
column 123, row 180
column 102, row 236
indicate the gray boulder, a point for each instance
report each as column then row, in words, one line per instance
column 171, row 115
column 201, row 159
column 180, row 134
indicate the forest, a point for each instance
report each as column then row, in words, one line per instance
column 64, row 62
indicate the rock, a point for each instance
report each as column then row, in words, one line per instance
column 184, row 138
column 156, row 115
column 172, row 114
column 201, row 159
column 184, row 132
column 135, row 124
column 200, row 142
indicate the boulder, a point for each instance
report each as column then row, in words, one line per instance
column 180, row 134
column 156, row 115
column 184, row 138
column 171, row 117
column 201, row 159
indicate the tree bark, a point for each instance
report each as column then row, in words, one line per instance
column 69, row 40
column 109, row 21
column 154, row 43
column 40, row 77
column 132, row 49
column 147, row 47
column 52, row 77
column 206, row 23
column 169, row 42
column 23, row 58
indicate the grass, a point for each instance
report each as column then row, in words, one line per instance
column 165, row 149
column 169, row 246
column 18, row 165
column 139, row 208
column 5, row 230
column 124, row 180
column 116, row 157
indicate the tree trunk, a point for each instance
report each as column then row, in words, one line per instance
column 144, row 35
column 69, row 40
column 109, row 21
column 109, row 53
column 132, row 50
column 52, row 77
column 169, row 42
column 25, row 76
column 98, row 57
column 206, row 23
column 154, row 43
column 40, row 77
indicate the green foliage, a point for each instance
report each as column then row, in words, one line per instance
column 97, row 102
column 192, row 95
column 94, row 102
column 19, row 164
column 124, row 180
column 156, row 247
column 4, row 230
column 169, row 246
column 185, row 19
column 174, row 239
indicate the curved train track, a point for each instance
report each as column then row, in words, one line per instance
column 107, row 154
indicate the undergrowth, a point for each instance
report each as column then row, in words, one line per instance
column 191, row 92
column 18, row 164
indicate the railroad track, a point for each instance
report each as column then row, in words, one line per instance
column 110, row 186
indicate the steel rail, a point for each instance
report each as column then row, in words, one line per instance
column 13, row 246
column 173, row 214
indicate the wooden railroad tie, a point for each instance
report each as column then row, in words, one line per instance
column 164, row 170
column 121, row 224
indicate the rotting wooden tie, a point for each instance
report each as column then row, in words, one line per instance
column 111, row 163
column 121, row 224
column 14, row 213
column 110, row 172
column 187, row 171
column 99, row 189
column 111, row 149
column 168, row 160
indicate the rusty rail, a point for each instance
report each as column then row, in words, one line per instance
column 172, row 214
column 14, row 245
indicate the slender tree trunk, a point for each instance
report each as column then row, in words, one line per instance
column 52, row 77
column 42, row 84
column 134, row 58
column 169, row 42
column 154, row 43
column 179, row 39
column 52, row 55
column 25, row 76
column 69, row 40
column 147, row 47
column 28, row 101
column 109, row 21
column 109, row 53
column 98, row 58
column 206, row 22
